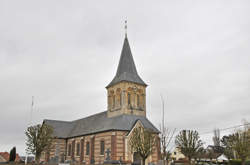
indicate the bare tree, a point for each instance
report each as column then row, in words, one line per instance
column 240, row 143
column 166, row 136
column 216, row 149
column 189, row 143
column 227, row 147
column 39, row 139
column 216, row 138
column 200, row 153
column 143, row 141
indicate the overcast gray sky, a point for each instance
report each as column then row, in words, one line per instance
column 195, row 53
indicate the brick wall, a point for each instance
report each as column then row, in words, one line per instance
column 116, row 141
column 113, row 140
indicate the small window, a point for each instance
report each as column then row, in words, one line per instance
column 102, row 148
column 87, row 148
column 78, row 149
column 128, row 98
column 138, row 100
column 69, row 150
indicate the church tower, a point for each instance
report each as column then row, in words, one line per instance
column 127, row 91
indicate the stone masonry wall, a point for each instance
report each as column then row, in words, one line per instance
column 126, row 98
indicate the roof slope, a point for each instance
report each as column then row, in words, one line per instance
column 61, row 129
column 97, row 123
column 126, row 69
column 4, row 156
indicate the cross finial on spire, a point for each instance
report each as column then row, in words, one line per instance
column 126, row 27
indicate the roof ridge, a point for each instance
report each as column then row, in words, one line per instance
column 57, row 120
column 89, row 116
column 73, row 121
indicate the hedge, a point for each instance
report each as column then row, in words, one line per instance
column 238, row 162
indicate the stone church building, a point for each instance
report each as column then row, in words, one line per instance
column 88, row 139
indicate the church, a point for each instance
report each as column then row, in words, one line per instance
column 88, row 139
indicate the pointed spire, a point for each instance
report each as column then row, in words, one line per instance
column 126, row 70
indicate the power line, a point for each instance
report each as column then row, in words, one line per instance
column 223, row 129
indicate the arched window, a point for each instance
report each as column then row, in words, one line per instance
column 143, row 100
column 69, row 150
column 120, row 99
column 102, row 147
column 129, row 98
column 138, row 101
column 109, row 101
column 87, row 148
column 78, row 149
column 114, row 101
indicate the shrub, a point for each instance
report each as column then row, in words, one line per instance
column 12, row 154
column 238, row 162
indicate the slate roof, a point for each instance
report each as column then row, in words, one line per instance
column 126, row 69
column 97, row 123
column 61, row 129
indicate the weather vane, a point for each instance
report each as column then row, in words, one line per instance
column 126, row 27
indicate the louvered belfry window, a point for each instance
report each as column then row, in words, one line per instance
column 128, row 98
column 114, row 101
column 138, row 100
column 120, row 99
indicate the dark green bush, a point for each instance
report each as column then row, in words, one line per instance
column 238, row 162
column 12, row 154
